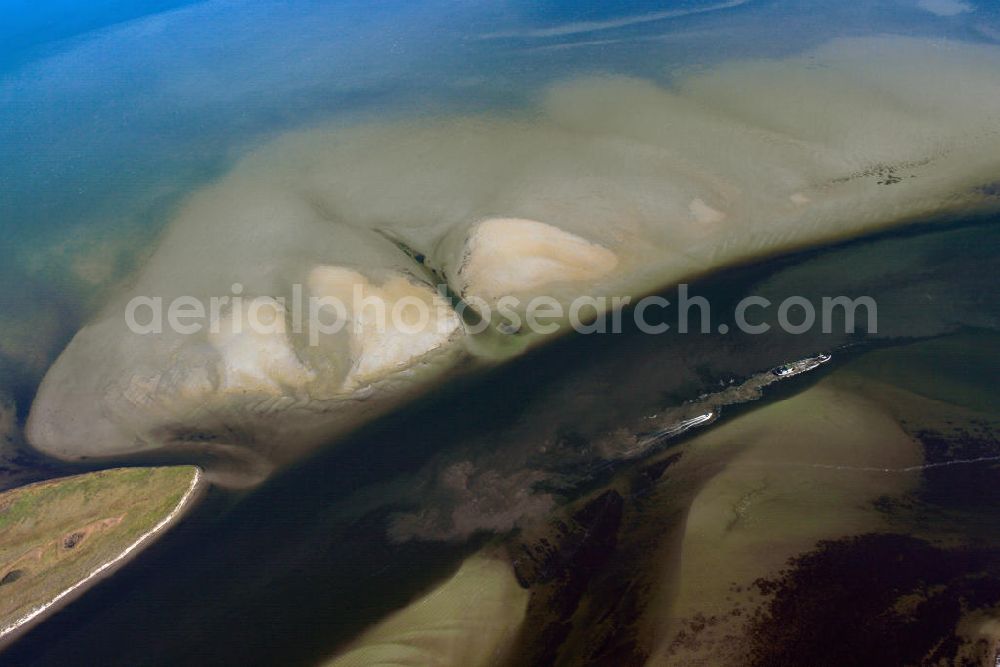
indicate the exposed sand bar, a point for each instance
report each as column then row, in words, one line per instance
column 8, row 631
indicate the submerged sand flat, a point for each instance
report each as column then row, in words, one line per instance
column 801, row 470
column 622, row 576
column 60, row 535
column 746, row 544
column 471, row 619
column 609, row 186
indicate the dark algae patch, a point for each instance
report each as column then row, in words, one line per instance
column 973, row 487
column 876, row 599
column 560, row 570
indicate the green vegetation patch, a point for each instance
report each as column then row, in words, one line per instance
column 54, row 534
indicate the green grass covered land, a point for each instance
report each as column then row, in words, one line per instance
column 54, row 534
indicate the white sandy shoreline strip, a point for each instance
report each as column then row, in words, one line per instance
column 164, row 523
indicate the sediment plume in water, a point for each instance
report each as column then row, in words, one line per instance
column 611, row 186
